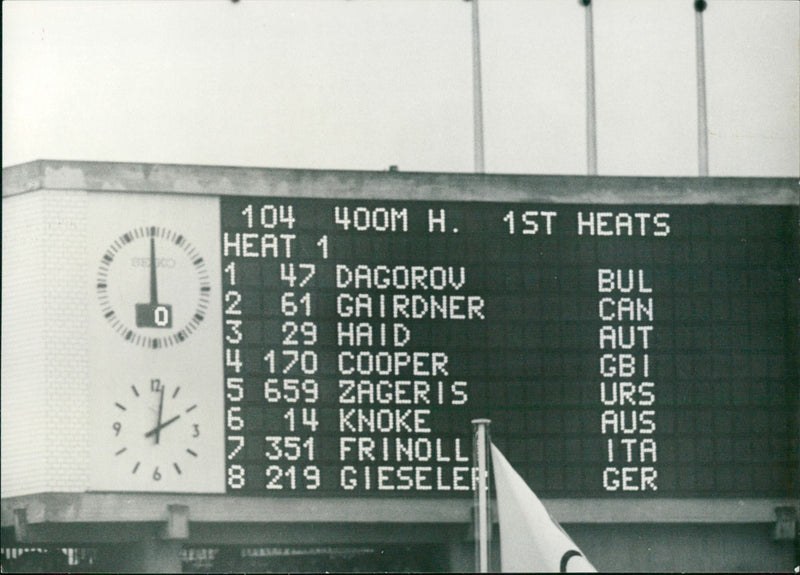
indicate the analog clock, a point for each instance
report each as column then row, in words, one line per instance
column 156, row 432
column 153, row 287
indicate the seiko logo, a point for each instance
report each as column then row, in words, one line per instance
column 145, row 262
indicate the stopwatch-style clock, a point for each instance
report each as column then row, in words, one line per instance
column 153, row 287
column 156, row 432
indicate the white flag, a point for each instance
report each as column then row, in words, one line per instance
column 530, row 540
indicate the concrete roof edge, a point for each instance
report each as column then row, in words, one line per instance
column 22, row 178
column 222, row 180
column 137, row 507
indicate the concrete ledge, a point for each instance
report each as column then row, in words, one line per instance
column 223, row 180
column 143, row 507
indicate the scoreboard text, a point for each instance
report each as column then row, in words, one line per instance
column 619, row 350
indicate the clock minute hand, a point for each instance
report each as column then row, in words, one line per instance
column 161, row 426
column 153, row 314
column 160, row 412
column 153, row 282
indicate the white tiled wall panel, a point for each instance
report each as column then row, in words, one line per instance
column 44, row 344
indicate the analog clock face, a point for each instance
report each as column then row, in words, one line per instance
column 153, row 287
column 156, row 433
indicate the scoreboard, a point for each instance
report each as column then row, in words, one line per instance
column 236, row 354
column 298, row 333
column 620, row 350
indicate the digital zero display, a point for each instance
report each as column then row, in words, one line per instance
column 619, row 350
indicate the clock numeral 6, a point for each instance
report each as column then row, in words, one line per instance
column 156, row 474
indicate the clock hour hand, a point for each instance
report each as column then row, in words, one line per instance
column 157, row 429
column 153, row 314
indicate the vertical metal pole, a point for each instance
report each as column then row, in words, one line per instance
column 477, row 97
column 702, row 121
column 591, row 119
column 482, row 536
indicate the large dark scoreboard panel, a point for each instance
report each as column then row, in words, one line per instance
column 619, row 350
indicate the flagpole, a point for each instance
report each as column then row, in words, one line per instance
column 477, row 97
column 481, row 462
column 591, row 119
column 702, row 121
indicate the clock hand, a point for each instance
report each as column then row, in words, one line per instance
column 161, row 426
column 160, row 411
column 153, row 282
column 153, row 314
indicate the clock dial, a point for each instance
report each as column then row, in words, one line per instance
column 153, row 287
column 156, row 432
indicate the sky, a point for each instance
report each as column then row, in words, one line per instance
column 368, row 84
